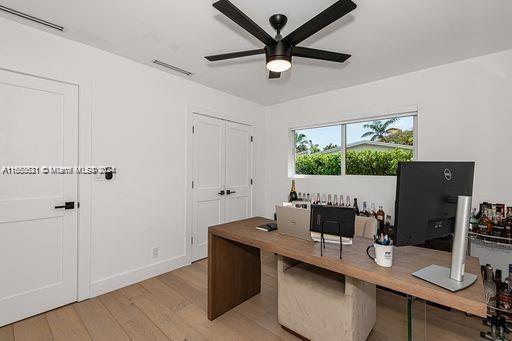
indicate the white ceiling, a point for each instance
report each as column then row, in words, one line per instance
column 385, row 38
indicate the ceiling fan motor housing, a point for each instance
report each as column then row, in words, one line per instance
column 280, row 50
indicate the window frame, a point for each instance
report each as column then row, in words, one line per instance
column 412, row 112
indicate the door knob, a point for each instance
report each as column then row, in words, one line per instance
column 68, row 205
column 228, row 192
column 222, row 192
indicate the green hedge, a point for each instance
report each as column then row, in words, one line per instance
column 365, row 162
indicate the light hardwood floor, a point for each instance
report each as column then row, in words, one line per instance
column 173, row 306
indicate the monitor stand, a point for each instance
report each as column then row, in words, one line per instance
column 454, row 278
column 440, row 276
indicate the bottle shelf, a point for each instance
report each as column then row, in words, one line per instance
column 490, row 239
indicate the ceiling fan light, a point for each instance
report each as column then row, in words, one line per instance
column 280, row 64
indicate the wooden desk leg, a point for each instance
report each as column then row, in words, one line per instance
column 234, row 274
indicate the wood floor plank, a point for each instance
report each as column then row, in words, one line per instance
column 135, row 323
column 244, row 326
column 192, row 294
column 214, row 330
column 34, row 328
column 100, row 324
column 7, row 333
column 65, row 324
column 173, row 326
column 165, row 294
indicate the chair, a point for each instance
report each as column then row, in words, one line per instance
column 319, row 304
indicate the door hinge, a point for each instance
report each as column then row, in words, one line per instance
column 192, row 184
column 251, row 181
column 193, row 129
column 252, row 138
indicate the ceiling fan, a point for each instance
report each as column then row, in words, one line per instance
column 279, row 50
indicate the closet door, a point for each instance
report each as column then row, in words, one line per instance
column 222, row 192
column 209, row 180
column 238, row 171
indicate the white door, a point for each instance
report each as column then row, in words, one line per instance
column 221, row 165
column 238, row 171
column 38, row 242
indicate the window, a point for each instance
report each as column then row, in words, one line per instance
column 318, row 151
column 371, row 147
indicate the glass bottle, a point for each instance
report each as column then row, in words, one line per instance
column 508, row 280
column 380, row 217
column 335, row 201
column 373, row 212
column 508, row 224
column 329, row 201
column 348, row 201
column 356, row 208
column 342, row 202
column 487, row 221
column 365, row 212
column 293, row 193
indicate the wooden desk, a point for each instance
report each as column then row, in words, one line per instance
column 234, row 269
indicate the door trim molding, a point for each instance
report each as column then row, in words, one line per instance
column 189, row 164
column 84, row 183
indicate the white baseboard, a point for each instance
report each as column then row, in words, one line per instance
column 126, row 278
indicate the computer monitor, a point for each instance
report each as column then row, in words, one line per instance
column 426, row 199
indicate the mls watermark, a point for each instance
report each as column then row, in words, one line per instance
column 57, row 170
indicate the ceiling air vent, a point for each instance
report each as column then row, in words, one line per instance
column 31, row 18
column 171, row 67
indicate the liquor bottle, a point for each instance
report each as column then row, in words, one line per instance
column 317, row 201
column 497, row 277
column 329, row 201
column 324, row 200
column 293, row 193
column 365, row 212
column 487, row 221
column 335, row 201
column 490, row 287
column 356, row 208
column 380, row 215
column 508, row 224
column 473, row 221
column 387, row 225
column 342, row 202
column 348, row 201
column 307, row 197
column 508, row 280
column 373, row 212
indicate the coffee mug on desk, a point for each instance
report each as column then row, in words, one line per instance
column 383, row 254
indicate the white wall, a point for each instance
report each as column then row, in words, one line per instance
column 464, row 113
column 139, row 125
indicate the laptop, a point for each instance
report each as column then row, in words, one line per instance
column 294, row 222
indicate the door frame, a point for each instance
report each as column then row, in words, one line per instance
column 189, row 164
column 84, row 183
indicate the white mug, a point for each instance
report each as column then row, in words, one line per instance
column 383, row 254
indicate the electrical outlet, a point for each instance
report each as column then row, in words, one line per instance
column 155, row 252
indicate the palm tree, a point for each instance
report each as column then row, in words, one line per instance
column 379, row 129
column 301, row 143
column 330, row 146
column 313, row 147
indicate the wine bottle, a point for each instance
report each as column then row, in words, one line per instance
column 356, row 208
column 293, row 193
column 342, row 202
column 348, row 201
column 329, row 201
column 335, row 201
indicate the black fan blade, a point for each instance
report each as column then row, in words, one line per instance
column 306, row 52
column 272, row 74
column 233, row 13
column 234, row 55
column 327, row 17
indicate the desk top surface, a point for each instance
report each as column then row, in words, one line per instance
column 357, row 264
